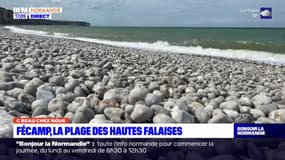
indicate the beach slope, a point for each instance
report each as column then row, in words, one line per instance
column 95, row 83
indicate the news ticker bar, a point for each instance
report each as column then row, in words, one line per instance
column 225, row 131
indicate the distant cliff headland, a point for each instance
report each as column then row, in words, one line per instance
column 6, row 18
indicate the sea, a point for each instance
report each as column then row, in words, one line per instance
column 258, row 44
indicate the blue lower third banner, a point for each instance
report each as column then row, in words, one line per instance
column 149, row 131
column 123, row 131
column 259, row 130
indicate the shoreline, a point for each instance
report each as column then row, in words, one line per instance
column 95, row 83
column 165, row 48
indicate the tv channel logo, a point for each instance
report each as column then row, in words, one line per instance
column 20, row 13
column 35, row 12
column 266, row 13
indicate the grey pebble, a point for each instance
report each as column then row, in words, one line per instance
column 230, row 105
column 32, row 86
column 244, row 118
column 57, row 81
column 278, row 115
column 5, row 76
column 105, row 104
column 265, row 120
column 87, row 112
column 141, row 113
column 137, row 94
column 69, row 115
column 39, row 103
column 159, row 109
column 202, row 115
column 170, row 104
column 67, row 97
column 261, row 99
column 256, row 113
column 244, row 109
column 99, row 89
column 13, row 104
column 56, row 105
column 15, row 92
column 71, row 84
column 100, row 118
column 231, row 113
column 6, row 126
column 163, row 118
column 26, row 98
column 79, row 117
column 245, row 101
column 182, row 117
column 152, row 99
column 219, row 117
column 79, row 101
column 129, row 108
column 267, row 108
column 195, row 106
column 5, row 86
column 118, row 94
column 39, row 111
column 116, row 115
column 45, row 92
column 55, row 115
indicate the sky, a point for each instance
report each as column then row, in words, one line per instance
column 167, row 13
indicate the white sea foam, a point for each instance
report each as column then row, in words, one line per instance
column 60, row 34
column 243, row 42
column 25, row 31
column 259, row 56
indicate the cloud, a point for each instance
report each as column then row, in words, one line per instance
column 266, row 13
column 105, row 4
column 56, row 1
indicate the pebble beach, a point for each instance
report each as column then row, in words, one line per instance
column 95, row 83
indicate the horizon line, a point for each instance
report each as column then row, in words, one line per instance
column 230, row 27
